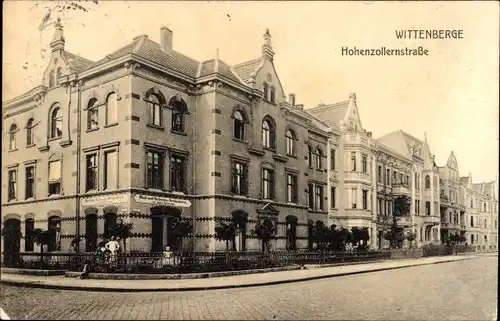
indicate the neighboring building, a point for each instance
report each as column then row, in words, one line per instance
column 147, row 134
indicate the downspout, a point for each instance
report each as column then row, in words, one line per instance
column 193, row 178
column 78, row 161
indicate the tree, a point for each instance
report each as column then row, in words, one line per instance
column 122, row 230
column 402, row 206
column 360, row 237
column 321, row 235
column 225, row 232
column 41, row 238
column 411, row 236
column 264, row 231
column 395, row 236
column 181, row 229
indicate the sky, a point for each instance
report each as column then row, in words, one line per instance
column 451, row 94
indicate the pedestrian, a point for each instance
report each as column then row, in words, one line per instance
column 86, row 271
column 113, row 246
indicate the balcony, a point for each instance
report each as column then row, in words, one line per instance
column 358, row 213
column 444, row 200
column 461, row 207
column 357, row 176
column 401, row 189
column 403, row 221
column 435, row 219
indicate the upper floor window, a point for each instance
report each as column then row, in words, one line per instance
column 179, row 110
column 388, row 177
column 92, row 115
column 379, row 174
column 155, row 168
column 30, row 132
column 30, row 182
column 239, row 178
column 417, row 181
column 110, row 172
column 354, row 197
column 290, row 142
column 55, row 177
column 92, row 172
column 58, row 74
column 319, row 158
column 365, row 199
column 239, row 125
column 310, row 198
column 427, row 182
column 56, row 123
column 319, row 197
column 112, row 109
column 291, row 188
column 272, row 94
column 177, row 173
column 309, row 156
column 267, row 183
column 12, row 193
column 268, row 133
column 12, row 137
column 265, row 88
column 353, row 161
column 52, row 79
column 364, row 165
column 154, row 109
column 332, row 159
column 333, row 196
column 428, row 208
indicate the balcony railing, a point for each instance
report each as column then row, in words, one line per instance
column 357, row 176
column 403, row 221
column 400, row 189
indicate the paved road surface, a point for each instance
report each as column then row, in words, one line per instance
column 463, row 290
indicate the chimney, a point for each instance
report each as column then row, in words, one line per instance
column 369, row 134
column 301, row 106
column 291, row 98
column 166, row 39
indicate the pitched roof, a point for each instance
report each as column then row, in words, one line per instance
column 330, row 114
column 245, row 69
column 213, row 66
column 76, row 63
column 464, row 181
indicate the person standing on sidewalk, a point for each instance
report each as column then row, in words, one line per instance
column 113, row 246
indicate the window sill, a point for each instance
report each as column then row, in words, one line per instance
column 178, row 132
column 238, row 195
column 55, row 195
column 29, row 199
column 91, row 129
column 154, row 189
column 90, row 191
column 12, row 200
column 319, row 169
column 177, row 192
column 12, row 150
column 155, row 126
column 110, row 125
column 53, row 139
column 271, row 149
column 291, row 155
column 30, row 146
column 240, row 140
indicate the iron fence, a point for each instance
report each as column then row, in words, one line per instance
column 186, row 262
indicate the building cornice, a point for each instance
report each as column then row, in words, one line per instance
column 34, row 94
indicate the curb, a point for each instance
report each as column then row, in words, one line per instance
column 36, row 284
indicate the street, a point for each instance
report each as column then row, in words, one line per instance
column 462, row 290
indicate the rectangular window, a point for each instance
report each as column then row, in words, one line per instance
column 388, row 177
column 365, row 199
column 30, row 182
column 177, row 173
column 380, row 206
column 319, row 197
column 310, row 191
column 364, row 164
column 427, row 208
column 55, row 177
column 472, row 221
column 379, row 174
column 353, row 161
column 12, row 195
column 92, row 173
column 332, row 160
column 110, row 170
column 155, row 168
column 353, row 198
column 267, row 183
column 333, row 196
column 239, row 178
column 291, row 188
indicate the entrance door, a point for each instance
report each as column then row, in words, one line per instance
column 12, row 241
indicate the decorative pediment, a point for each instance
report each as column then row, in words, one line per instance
column 268, row 209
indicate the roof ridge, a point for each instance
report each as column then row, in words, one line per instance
column 247, row 62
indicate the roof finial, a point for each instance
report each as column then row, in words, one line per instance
column 267, row 49
column 216, row 64
column 352, row 96
column 57, row 42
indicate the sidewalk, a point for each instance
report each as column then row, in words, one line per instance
column 271, row 278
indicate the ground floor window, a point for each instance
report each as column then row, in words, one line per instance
column 54, row 228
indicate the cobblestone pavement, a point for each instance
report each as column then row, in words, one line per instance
column 462, row 290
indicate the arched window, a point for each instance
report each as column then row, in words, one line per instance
column 239, row 125
column 56, row 123
column 268, row 133
column 112, row 109
column 90, row 233
column 179, row 110
column 309, row 156
column 155, row 111
column 319, row 156
column 54, row 227
column 29, row 228
column 12, row 137
column 52, row 79
column 290, row 142
column 30, row 132
column 272, row 95
column 109, row 224
column 59, row 74
column 427, row 182
column 265, row 88
column 92, row 115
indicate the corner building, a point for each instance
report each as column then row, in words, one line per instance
column 146, row 134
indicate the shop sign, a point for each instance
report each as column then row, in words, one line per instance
column 159, row 200
column 105, row 200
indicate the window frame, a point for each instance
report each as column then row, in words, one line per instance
column 55, row 183
column 92, row 109
column 54, row 120
column 268, row 133
column 180, row 181
column 319, row 195
column 13, row 184
column 239, row 128
column 291, row 139
column 155, row 171
column 13, row 137
column 319, row 158
column 333, row 196
column 92, row 172
column 115, row 167
column 30, row 181
column 108, row 121
column 364, row 163
column 242, row 188
column 30, row 132
column 291, row 188
column 153, row 107
column 268, row 180
column 353, row 161
column 332, row 159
